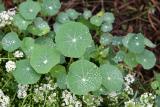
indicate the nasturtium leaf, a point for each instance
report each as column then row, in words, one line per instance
column 130, row 60
column 62, row 17
column 155, row 85
column 1, row 37
column 106, row 39
column 136, row 43
column 2, row 8
column 27, row 46
column 50, row 7
column 119, row 57
column 104, row 52
column 11, row 42
column 127, row 38
column 56, row 26
column 147, row 59
column 83, row 77
column 72, row 39
column 149, row 43
column 117, row 40
column 157, row 77
column 89, row 51
column 87, row 14
column 43, row 58
column 51, row 35
column 106, row 27
column 59, row 72
column 39, row 28
column 29, row 9
column 24, row 73
column 73, row 14
column 20, row 22
column 112, row 77
column 101, row 91
column 108, row 17
column 45, row 40
column 157, row 101
column 96, row 20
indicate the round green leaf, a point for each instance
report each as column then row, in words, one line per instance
column 50, row 7
column 87, row 14
column 11, row 42
column 89, row 51
column 56, row 26
column 117, row 40
column 27, row 45
column 29, row 9
column 73, row 14
column 45, row 40
column 83, row 77
column 21, row 23
column 112, row 77
column 119, row 57
column 149, row 43
column 106, row 39
column 62, row 17
column 155, row 85
column 147, row 59
column 1, row 37
column 127, row 38
column 101, row 91
column 24, row 73
column 59, row 72
column 51, row 35
column 106, row 27
column 72, row 39
column 43, row 58
column 136, row 43
column 108, row 17
column 39, row 28
column 96, row 20
column 2, row 7
column 130, row 60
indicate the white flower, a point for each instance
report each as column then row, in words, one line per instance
column 4, row 100
column 130, row 103
column 112, row 94
column 10, row 66
column 149, row 105
column 92, row 100
column 70, row 99
column 6, row 17
column 21, row 94
column 18, row 54
column 22, row 91
column 78, row 104
column 147, row 99
column 128, row 90
column 129, row 79
column 45, row 89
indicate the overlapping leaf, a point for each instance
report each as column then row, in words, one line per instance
column 43, row 58
column 11, row 42
column 112, row 77
column 24, row 73
column 29, row 9
column 72, row 39
column 83, row 77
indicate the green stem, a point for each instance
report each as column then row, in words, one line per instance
column 26, row 99
column 6, row 82
column 6, row 58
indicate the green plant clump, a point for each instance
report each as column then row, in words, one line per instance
column 67, row 51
